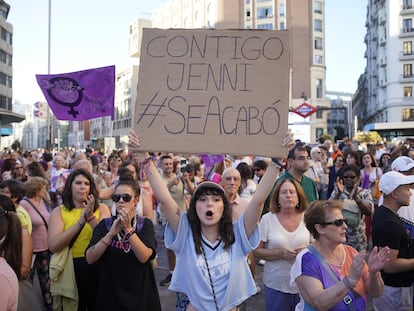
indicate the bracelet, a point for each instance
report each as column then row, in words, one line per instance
column 91, row 218
column 347, row 283
column 277, row 163
column 128, row 234
column 79, row 223
column 104, row 242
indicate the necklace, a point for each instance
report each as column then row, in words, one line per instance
column 210, row 278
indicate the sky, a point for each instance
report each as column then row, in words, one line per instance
column 94, row 33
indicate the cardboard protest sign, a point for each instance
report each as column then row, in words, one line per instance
column 213, row 91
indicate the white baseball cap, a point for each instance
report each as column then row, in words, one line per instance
column 392, row 180
column 402, row 164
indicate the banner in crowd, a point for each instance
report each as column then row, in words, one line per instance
column 81, row 95
column 213, row 91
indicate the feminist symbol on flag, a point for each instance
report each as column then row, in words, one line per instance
column 88, row 93
column 65, row 91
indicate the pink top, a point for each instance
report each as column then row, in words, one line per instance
column 9, row 287
column 39, row 232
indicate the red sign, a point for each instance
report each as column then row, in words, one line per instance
column 304, row 110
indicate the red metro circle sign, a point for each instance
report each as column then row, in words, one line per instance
column 304, row 110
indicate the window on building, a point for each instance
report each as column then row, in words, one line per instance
column 319, row 89
column 319, row 60
column 317, row 24
column 282, row 9
column 408, row 114
column 265, row 26
column 408, row 70
column 282, row 25
column 264, row 12
column 247, row 1
column 407, row 48
column 319, row 132
column 407, row 4
column 319, row 114
column 408, row 91
column 318, row 43
column 248, row 17
column 407, row 25
column 317, row 7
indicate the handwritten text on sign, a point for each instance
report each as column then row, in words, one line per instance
column 213, row 91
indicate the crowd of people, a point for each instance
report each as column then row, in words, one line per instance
column 332, row 225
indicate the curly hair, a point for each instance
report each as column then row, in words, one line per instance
column 225, row 225
column 34, row 185
column 67, row 190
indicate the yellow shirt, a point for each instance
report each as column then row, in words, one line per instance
column 24, row 218
column 71, row 218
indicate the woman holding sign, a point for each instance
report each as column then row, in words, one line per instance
column 211, row 251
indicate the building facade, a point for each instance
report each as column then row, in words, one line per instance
column 7, row 116
column 304, row 19
column 387, row 104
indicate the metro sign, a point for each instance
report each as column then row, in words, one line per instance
column 304, row 110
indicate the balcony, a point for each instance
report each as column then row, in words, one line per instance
column 407, row 78
column 407, row 9
column 406, row 56
column 383, row 83
column 383, row 62
column 382, row 41
column 406, row 32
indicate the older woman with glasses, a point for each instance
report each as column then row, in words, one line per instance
column 329, row 274
column 18, row 172
column 357, row 202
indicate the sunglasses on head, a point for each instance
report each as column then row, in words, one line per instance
column 338, row 222
column 125, row 197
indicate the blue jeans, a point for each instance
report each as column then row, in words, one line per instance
column 276, row 300
column 395, row 298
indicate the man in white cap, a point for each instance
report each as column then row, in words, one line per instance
column 388, row 230
column 405, row 165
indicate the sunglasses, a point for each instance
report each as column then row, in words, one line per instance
column 338, row 222
column 125, row 197
column 349, row 176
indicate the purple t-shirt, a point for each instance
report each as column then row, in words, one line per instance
column 308, row 264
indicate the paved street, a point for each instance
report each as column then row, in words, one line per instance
column 255, row 303
column 168, row 297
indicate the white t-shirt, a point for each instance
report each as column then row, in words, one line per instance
column 276, row 273
column 233, row 283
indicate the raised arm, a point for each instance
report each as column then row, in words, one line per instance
column 254, row 209
column 168, row 205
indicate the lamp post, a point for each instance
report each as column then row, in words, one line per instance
column 48, row 124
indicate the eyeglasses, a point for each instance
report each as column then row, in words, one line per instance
column 349, row 176
column 338, row 222
column 301, row 158
column 18, row 167
column 125, row 197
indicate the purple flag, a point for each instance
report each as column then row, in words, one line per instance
column 81, row 95
column 209, row 160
